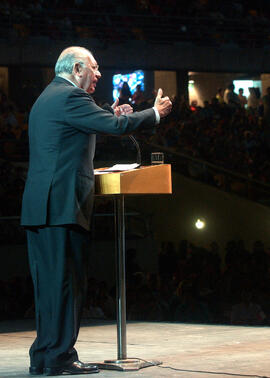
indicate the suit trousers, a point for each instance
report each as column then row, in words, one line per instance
column 58, row 265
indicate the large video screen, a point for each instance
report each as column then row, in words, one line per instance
column 245, row 84
column 133, row 79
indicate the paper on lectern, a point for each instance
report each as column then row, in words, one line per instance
column 118, row 167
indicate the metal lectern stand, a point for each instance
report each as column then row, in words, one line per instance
column 146, row 180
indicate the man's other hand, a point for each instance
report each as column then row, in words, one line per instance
column 162, row 104
column 121, row 109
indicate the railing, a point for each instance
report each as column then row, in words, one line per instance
column 196, row 169
column 118, row 28
column 215, row 175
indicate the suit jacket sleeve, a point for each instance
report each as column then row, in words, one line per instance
column 83, row 114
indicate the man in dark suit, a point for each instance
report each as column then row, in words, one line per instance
column 58, row 198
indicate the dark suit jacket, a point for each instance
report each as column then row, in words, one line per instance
column 62, row 126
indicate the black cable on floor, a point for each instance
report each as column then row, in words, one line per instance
column 199, row 371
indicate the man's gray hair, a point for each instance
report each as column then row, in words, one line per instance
column 66, row 63
column 70, row 56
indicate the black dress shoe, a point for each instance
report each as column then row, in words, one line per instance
column 33, row 370
column 76, row 367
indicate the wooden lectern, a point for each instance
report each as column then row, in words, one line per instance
column 154, row 179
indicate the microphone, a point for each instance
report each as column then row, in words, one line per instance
column 108, row 108
column 139, row 156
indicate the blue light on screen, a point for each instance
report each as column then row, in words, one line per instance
column 245, row 84
column 133, row 79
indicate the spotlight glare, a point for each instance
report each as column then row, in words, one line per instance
column 200, row 224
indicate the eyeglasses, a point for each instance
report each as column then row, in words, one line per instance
column 95, row 67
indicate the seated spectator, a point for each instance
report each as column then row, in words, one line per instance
column 9, row 118
column 242, row 98
column 191, row 308
column 246, row 312
column 220, row 95
column 230, row 97
column 145, row 306
column 137, row 97
column 3, row 101
column 194, row 105
column 105, row 301
column 252, row 101
column 266, row 107
column 124, row 94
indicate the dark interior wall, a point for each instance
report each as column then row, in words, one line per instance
column 25, row 85
column 144, row 55
column 27, row 82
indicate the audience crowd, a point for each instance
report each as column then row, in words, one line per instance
column 199, row 21
column 13, row 130
column 224, row 134
column 200, row 8
column 229, row 132
column 192, row 285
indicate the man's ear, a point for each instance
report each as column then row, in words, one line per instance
column 77, row 69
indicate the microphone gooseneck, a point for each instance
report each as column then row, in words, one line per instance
column 139, row 156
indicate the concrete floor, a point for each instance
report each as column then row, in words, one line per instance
column 187, row 350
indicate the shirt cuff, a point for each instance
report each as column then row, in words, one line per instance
column 157, row 115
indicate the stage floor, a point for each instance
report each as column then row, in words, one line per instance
column 186, row 350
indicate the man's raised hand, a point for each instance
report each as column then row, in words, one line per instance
column 162, row 104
